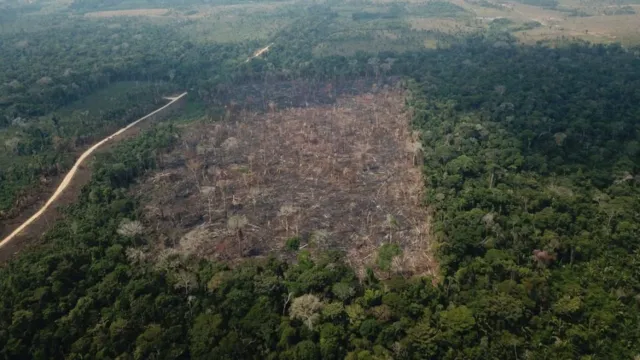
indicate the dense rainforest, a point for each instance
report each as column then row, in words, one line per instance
column 45, row 116
column 530, row 164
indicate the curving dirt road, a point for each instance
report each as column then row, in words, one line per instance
column 67, row 179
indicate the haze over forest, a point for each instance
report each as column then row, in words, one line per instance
column 329, row 179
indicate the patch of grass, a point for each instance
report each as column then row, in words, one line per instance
column 446, row 26
column 112, row 96
column 437, row 9
column 234, row 27
column 374, row 36
column 386, row 253
column 194, row 109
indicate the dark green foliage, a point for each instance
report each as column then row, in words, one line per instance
column 541, row 3
column 293, row 243
column 386, row 253
column 65, row 64
column 504, row 24
column 531, row 165
column 83, row 80
column 437, row 9
column 83, row 268
column 501, row 22
column 358, row 16
column 620, row 10
column 488, row 4
column 530, row 209
column 394, row 11
column 529, row 25
column 101, row 5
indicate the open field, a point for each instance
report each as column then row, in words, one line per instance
column 228, row 28
column 445, row 25
column 341, row 177
column 569, row 20
column 248, row 8
column 601, row 28
column 388, row 26
column 132, row 12
column 234, row 23
column 214, row 23
column 412, row 25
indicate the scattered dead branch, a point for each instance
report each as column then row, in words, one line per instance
column 341, row 176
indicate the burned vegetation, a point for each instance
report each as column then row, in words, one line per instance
column 329, row 177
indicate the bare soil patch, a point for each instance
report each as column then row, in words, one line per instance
column 341, row 176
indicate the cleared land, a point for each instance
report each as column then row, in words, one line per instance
column 599, row 29
column 384, row 25
column 595, row 22
column 340, row 177
column 214, row 23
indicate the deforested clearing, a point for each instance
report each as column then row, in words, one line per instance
column 334, row 177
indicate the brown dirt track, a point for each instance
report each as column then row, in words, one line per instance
column 27, row 229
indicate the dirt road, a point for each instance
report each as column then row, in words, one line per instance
column 67, row 179
column 260, row 52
